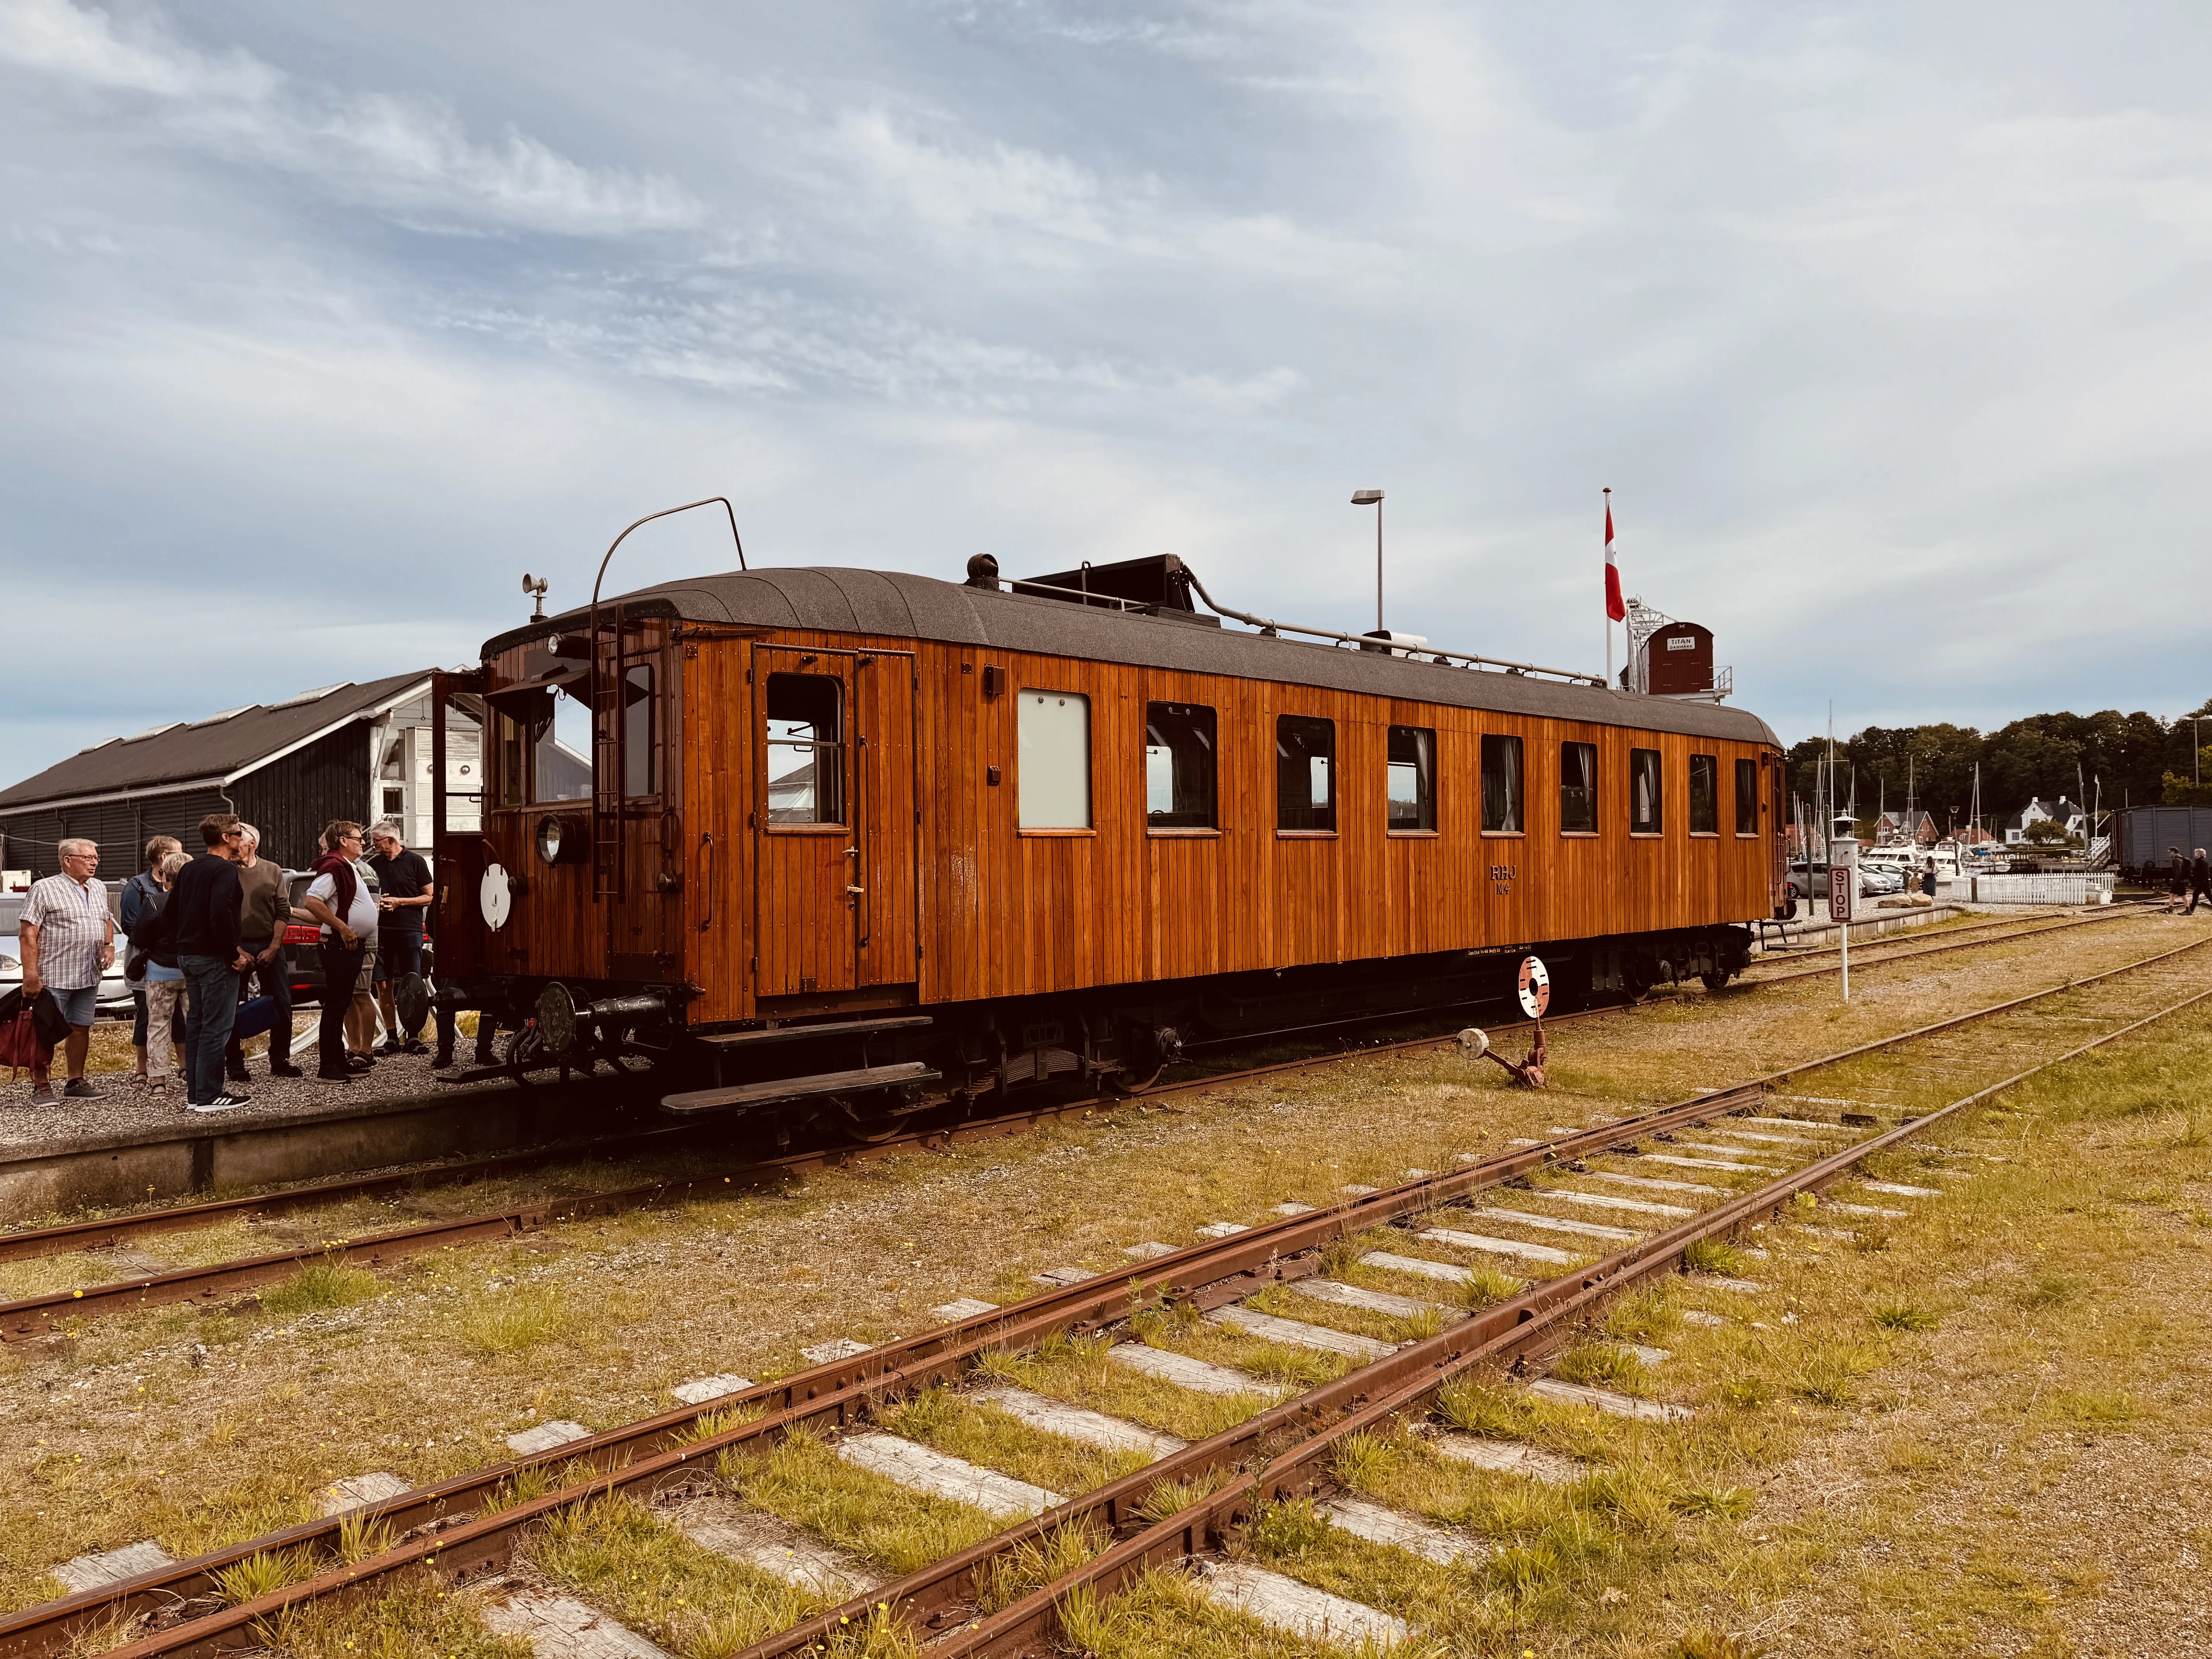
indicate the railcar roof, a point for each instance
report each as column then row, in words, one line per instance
column 901, row 605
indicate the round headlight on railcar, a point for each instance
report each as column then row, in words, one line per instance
column 563, row 839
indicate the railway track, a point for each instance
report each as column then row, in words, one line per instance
column 30, row 1317
column 1661, row 1186
column 1885, row 951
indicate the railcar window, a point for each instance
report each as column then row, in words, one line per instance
column 805, row 749
column 1705, row 795
column 1179, row 766
column 561, row 744
column 1053, row 751
column 641, row 764
column 1578, row 788
column 1645, row 806
column 1305, row 773
column 1412, row 778
column 509, row 743
column 1746, row 797
column 1501, row 785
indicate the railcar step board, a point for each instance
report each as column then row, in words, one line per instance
column 847, row 1028
column 782, row 1090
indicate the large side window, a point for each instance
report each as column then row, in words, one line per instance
column 1645, row 807
column 1179, row 766
column 805, row 749
column 1305, row 773
column 561, row 758
column 1578, row 788
column 1412, row 779
column 640, row 764
column 1054, row 753
column 1501, row 785
column 1746, row 797
column 1705, row 795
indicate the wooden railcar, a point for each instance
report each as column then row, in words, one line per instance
column 876, row 839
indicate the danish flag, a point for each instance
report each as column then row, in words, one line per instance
column 1613, row 608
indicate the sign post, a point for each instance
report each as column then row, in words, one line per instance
column 1843, row 886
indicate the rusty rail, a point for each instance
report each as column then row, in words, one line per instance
column 444, row 1530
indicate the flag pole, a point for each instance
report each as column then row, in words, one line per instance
column 1609, row 615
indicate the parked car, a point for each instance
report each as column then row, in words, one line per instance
column 1875, row 881
column 114, row 999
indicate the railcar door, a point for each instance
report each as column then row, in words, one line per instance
column 884, row 759
column 457, row 850
column 808, row 852
column 638, row 830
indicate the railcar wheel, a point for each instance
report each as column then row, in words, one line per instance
column 1717, row 981
column 526, row 1061
column 1126, row 1084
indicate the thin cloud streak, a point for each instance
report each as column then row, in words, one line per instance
column 1886, row 326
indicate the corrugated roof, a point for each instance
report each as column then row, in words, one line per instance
column 214, row 748
column 904, row 606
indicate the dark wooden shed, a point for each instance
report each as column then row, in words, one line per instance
column 1678, row 660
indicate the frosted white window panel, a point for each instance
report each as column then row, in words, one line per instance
column 1055, row 759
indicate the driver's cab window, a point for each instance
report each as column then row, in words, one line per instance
column 805, row 749
column 562, row 761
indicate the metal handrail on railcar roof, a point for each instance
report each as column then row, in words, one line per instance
column 1368, row 641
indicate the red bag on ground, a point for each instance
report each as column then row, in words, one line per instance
column 20, row 1045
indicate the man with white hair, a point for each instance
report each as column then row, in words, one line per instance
column 69, row 942
column 265, row 911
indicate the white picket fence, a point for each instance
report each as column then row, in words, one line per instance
column 2093, row 888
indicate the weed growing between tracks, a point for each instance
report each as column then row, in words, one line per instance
column 242, row 1442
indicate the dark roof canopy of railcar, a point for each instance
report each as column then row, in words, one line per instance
column 900, row 604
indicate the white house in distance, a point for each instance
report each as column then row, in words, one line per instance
column 2069, row 815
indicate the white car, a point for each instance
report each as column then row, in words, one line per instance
column 114, row 1001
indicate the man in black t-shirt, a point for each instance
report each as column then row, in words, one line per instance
column 403, row 904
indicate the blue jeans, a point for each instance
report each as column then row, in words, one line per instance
column 214, row 987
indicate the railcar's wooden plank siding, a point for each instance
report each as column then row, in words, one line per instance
column 1004, row 914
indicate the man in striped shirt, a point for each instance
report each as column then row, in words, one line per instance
column 69, row 942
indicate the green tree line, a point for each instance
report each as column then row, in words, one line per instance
column 2140, row 759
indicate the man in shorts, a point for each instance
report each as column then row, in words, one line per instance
column 69, row 942
column 405, row 895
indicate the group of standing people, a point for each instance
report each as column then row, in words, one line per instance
column 202, row 931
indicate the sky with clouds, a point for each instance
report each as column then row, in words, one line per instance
column 1888, row 324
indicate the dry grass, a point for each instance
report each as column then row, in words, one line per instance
column 616, row 1555
column 114, row 1434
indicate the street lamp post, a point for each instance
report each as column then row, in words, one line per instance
column 1374, row 498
